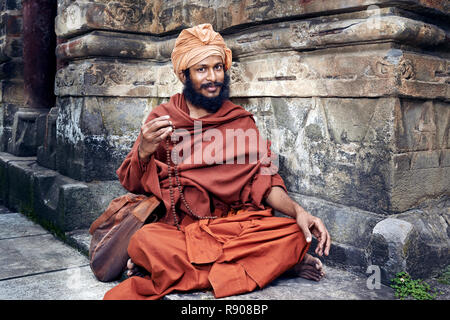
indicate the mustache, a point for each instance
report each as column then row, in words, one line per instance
column 211, row 84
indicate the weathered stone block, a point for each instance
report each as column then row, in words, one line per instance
column 392, row 238
column 12, row 24
column 10, row 48
column 342, row 150
column 5, row 159
column 352, row 258
column 46, row 150
column 341, row 220
column 432, row 220
column 121, row 45
column 417, row 241
column 12, row 69
column 410, row 188
column 23, row 140
column 20, row 186
column 11, row 91
column 425, row 159
column 82, row 205
column 350, row 229
column 351, row 71
column 335, row 149
column 94, row 134
column 421, row 125
column 45, row 196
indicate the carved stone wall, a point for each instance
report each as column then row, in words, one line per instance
column 325, row 71
column 353, row 94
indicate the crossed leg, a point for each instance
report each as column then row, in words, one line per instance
column 310, row 268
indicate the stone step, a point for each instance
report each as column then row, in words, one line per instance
column 337, row 285
column 35, row 265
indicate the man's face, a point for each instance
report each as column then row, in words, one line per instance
column 206, row 85
column 207, row 75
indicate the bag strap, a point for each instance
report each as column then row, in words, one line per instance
column 143, row 210
column 114, row 206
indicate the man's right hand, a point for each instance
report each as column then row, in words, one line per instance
column 152, row 133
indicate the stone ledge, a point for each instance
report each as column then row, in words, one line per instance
column 300, row 35
column 65, row 203
column 416, row 241
column 79, row 239
column 360, row 70
column 161, row 16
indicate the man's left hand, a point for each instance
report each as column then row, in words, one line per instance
column 313, row 225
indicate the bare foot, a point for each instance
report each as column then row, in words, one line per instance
column 309, row 268
column 134, row 270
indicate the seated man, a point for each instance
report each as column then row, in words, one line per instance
column 218, row 231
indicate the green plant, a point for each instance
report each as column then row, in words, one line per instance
column 405, row 286
column 444, row 278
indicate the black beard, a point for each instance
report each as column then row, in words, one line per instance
column 199, row 100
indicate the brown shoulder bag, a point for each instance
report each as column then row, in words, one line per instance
column 111, row 233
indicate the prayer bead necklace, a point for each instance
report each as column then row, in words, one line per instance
column 175, row 171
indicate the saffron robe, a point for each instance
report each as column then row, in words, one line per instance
column 244, row 248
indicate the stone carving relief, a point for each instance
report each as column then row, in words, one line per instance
column 66, row 77
column 406, row 69
column 420, row 126
column 442, row 74
column 100, row 75
column 384, row 68
column 126, row 12
column 94, row 76
column 90, row 74
column 252, row 75
column 236, row 73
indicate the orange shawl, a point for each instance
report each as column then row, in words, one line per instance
column 209, row 189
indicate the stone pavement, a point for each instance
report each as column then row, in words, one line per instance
column 35, row 265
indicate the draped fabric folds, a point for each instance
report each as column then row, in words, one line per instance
column 231, row 255
column 245, row 247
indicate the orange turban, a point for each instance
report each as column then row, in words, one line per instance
column 198, row 43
